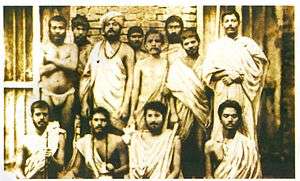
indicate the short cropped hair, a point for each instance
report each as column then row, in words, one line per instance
column 229, row 12
column 135, row 29
column 58, row 18
column 189, row 33
column 80, row 20
column 100, row 110
column 39, row 104
column 232, row 104
column 154, row 31
column 172, row 19
column 156, row 106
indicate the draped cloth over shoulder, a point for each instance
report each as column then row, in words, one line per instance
column 151, row 160
column 191, row 102
column 103, row 83
column 36, row 161
column 240, row 56
column 153, row 93
column 241, row 160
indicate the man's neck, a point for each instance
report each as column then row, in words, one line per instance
column 229, row 134
column 40, row 132
column 234, row 37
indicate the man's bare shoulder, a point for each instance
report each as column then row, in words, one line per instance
column 70, row 46
column 114, row 137
column 126, row 49
column 209, row 145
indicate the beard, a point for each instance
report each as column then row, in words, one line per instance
column 57, row 39
column 80, row 40
column 40, row 127
column 174, row 38
column 101, row 133
column 135, row 45
column 154, row 129
column 115, row 36
column 192, row 52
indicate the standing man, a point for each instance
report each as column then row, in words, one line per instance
column 135, row 38
column 154, row 153
column 58, row 72
column 150, row 75
column 104, row 154
column 173, row 28
column 235, row 156
column 235, row 68
column 41, row 155
column 80, row 28
column 191, row 103
column 108, row 77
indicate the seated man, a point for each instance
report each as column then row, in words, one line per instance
column 41, row 155
column 104, row 154
column 152, row 153
column 235, row 156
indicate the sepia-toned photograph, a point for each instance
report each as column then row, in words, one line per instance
column 148, row 91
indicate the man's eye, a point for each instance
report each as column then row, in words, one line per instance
column 226, row 115
column 234, row 116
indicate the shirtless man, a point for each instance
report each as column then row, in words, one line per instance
column 80, row 28
column 108, row 77
column 234, row 156
column 135, row 38
column 41, row 155
column 191, row 103
column 149, row 78
column 154, row 153
column 104, row 154
column 57, row 72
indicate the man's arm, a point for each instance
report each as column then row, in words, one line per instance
column 208, row 164
column 176, row 159
column 58, row 160
column 128, row 60
column 135, row 92
column 123, row 152
column 75, row 168
column 20, row 161
column 69, row 62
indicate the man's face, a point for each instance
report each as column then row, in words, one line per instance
column 154, row 121
column 153, row 44
column 135, row 40
column 230, row 24
column 57, row 32
column 98, row 123
column 112, row 30
column 229, row 118
column 80, row 34
column 191, row 46
column 40, row 118
column 173, row 32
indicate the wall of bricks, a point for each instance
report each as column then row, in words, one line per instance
column 144, row 16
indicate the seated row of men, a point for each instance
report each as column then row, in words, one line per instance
column 137, row 154
column 123, row 80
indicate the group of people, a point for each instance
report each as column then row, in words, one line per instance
column 146, row 108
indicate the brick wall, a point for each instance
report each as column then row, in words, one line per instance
column 144, row 16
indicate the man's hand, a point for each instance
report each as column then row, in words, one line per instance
column 110, row 167
column 48, row 154
column 227, row 80
column 122, row 113
column 166, row 91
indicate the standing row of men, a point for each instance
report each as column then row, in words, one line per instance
column 159, row 100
